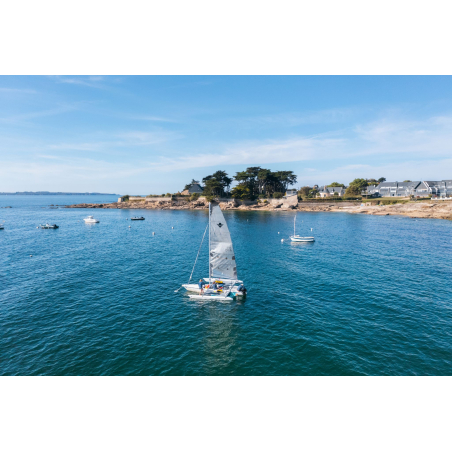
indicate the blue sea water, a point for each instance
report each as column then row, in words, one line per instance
column 372, row 295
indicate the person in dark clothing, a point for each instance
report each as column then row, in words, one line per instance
column 201, row 285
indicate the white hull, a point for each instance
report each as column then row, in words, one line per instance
column 302, row 239
column 210, row 297
column 90, row 220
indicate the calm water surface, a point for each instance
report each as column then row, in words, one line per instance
column 372, row 295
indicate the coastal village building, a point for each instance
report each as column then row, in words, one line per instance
column 328, row 192
column 291, row 192
column 420, row 189
column 440, row 189
column 194, row 188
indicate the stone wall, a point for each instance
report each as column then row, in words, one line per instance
column 331, row 203
column 145, row 199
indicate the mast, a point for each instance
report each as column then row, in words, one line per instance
column 210, row 267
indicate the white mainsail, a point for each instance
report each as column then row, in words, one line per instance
column 222, row 258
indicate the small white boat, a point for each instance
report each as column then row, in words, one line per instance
column 2, row 227
column 90, row 220
column 298, row 238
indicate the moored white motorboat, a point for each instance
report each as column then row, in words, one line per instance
column 2, row 227
column 90, row 220
column 298, row 238
column 222, row 283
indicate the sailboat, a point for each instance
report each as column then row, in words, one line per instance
column 222, row 283
column 297, row 238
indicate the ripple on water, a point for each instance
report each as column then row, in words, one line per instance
column 371, row 296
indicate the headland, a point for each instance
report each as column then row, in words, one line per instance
column 415, row 209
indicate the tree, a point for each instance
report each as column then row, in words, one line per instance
column 217, row 184
column 261, row 181
column 355, row 187
column 278, row 195
column 406, row 181
column 285, row 178
column 372, row 182
column 242, row 191
column 336, row 184
column 304, row 191
column 212, row 188
column 382, row 179
column 313, row 193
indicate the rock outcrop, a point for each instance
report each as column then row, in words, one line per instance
column 414, row 209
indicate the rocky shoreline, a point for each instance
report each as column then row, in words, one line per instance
column 414, row 209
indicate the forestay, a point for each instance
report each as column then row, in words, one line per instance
column 222, row 258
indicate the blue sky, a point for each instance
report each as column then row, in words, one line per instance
column 142, row 135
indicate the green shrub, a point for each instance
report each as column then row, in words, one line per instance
column 278, row 195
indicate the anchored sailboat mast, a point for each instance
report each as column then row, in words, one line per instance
column 210, row 265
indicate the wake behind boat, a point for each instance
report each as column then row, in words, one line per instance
column 222, row 283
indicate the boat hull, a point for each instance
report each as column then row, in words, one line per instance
column 210, row 297
column 302, row 239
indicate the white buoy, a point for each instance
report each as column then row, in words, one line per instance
column 153, row 233
column 278, row 232
column 172, row 227
column 282, row 240
column 130, row 226
column 311, row 229
column 31, row 255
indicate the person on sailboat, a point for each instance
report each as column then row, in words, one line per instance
column 201, row 285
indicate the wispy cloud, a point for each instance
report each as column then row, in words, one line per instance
column 17, row 91
column 92, row 81
column 422, row 139
column 38, row 114
column 152, row 119
column 292, row 119
column 124, row 140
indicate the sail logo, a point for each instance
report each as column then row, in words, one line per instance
column 219, row 225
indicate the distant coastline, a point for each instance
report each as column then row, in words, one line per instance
column 44, row 193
